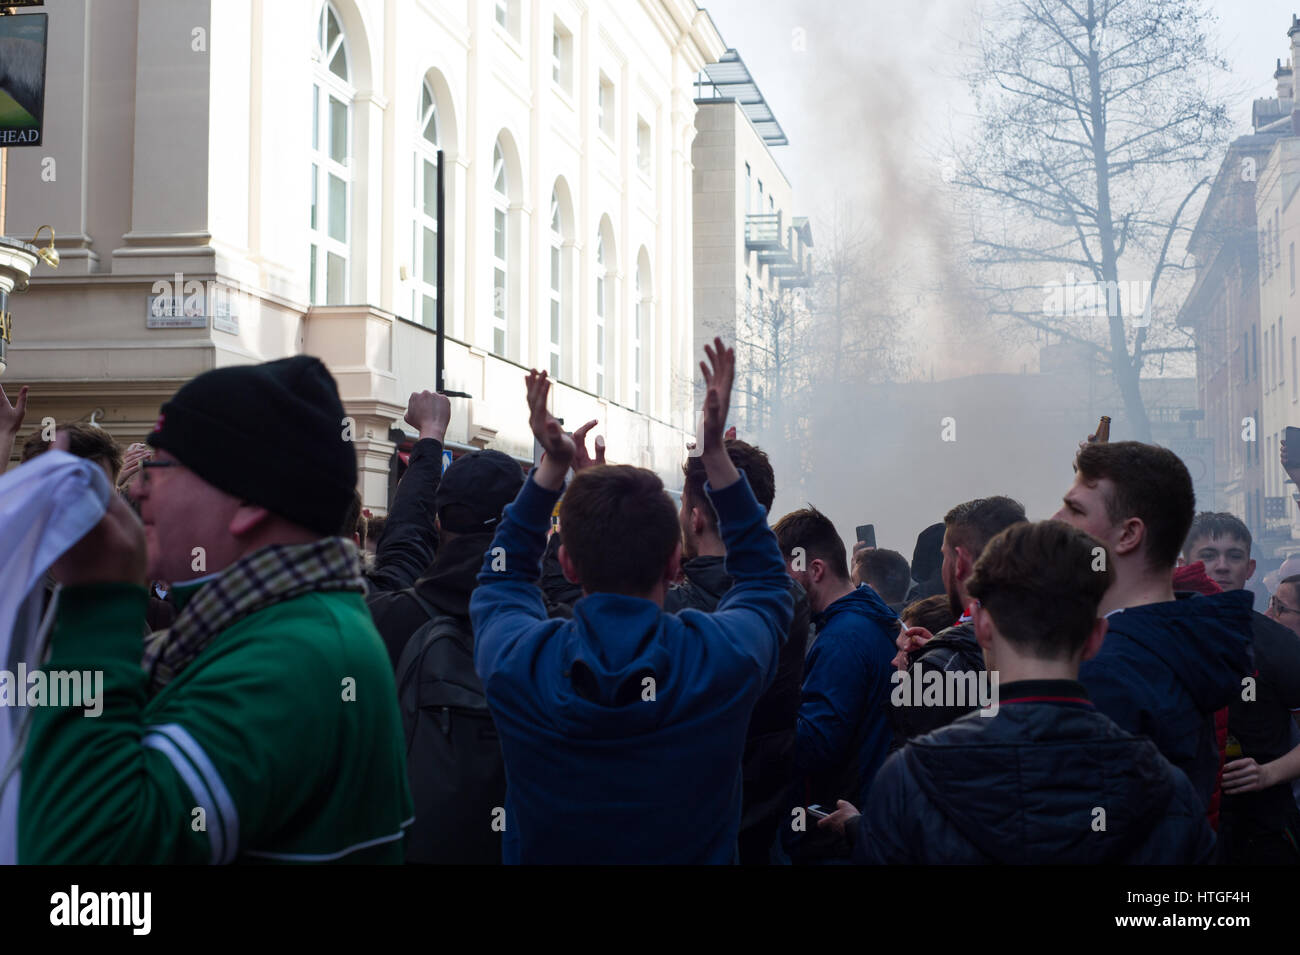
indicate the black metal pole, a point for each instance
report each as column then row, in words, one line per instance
column 441, row 285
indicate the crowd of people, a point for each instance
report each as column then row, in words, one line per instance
column 565, row 666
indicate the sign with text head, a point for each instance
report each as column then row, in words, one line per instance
column 22, row 78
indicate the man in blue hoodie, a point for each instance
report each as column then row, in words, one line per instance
column 623, row 728
column 1044, row 778
column 1167, row 665
column 844, row 731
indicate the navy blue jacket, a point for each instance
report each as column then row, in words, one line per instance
column 844, row 731
column 602, row 765
column 1026, row 786
column 1165, row 668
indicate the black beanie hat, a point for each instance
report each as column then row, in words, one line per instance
column 270, row 434
column 475, row 489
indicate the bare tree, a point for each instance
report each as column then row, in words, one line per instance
column 1096, row 124
column 802, row 351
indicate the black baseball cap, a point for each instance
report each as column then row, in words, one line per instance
column 475, row 490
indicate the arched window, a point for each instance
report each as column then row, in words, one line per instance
column 331, row 155
column 602, row 288
column 557, row 286
column 424, row 230
column 500, row 250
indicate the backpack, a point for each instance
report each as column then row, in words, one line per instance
column 453, row 752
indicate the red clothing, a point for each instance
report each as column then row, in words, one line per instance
column 1193, row 577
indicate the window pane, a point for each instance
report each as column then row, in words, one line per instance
column 600, row 296
column 335, row 279
column 312, row 286
column 502, row 14
column 499, row 237
column 499, row 293
column 315, row 189
column 332, row 29
column 600, row 344
column 339, row 65
column 430, row 273
column 425, row 99
column 315, row 117
column 555, row 322
column 600, row 383
column 428, row 312
column 431, row 129
column 555, row 268
column 555, row 366
column 338, row 131
column 430, row 189
column 499, row 341
column 338, row 209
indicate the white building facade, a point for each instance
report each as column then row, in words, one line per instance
column 275, row 163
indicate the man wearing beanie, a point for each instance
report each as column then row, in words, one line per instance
column 263, row 726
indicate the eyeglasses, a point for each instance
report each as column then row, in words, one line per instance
column 1280, row 607
column 147, row 466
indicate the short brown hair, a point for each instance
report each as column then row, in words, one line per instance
column 94, row 444
column 1151, row 484
column 933, row 613
column 973, row 524
column 1213, row 525
column 619, row 527
column 886, row 572
column 812, row 530
column 1040, row 585
column 749, row 460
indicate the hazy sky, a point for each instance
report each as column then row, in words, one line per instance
column 868, row 92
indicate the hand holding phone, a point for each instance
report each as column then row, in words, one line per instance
column 867, row 534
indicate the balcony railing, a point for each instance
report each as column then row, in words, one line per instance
column 762, row 232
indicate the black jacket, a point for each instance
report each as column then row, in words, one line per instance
column 447, row 585
column 768, row 762
column 954, row 649
column 406, row 547
column 1039, row 783
column 1165, row 668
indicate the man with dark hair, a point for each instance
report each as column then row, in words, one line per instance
column 1028, row 781
column 884, row 571
column 843, row 729
column 968, row 527
column 1167, row 665
column 927, row 558
column 269, row 703
column 1259, row 822
column 768, row 762
column 95, row 444
column 1284, row 605
column 623, row 728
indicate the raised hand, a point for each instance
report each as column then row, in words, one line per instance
column 11, row 415
column 581, row 459
column 719, row 373
column 429, row 413
column 558, row 446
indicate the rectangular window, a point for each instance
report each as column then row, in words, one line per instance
column 562, row 57
column 643, row 146
column 335, row 278
column 338, row 224
column 605, row 106
column 315, row 189
column 338, row 131
column 499, row 234
column 315, row 117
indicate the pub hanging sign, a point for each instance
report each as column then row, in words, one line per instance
column 22, row 77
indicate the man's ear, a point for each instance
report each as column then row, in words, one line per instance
column 1250, row 569
column 983, row 627
column 1131, row 535
column 698, row 523
column 817, row 571
column 567, row 565
column 674, row 567
column 965, row 564
column 1095, row 639
column 247, row 518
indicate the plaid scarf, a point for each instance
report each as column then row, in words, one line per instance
column 268, row 576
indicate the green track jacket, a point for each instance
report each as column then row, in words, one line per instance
column 280, row 742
